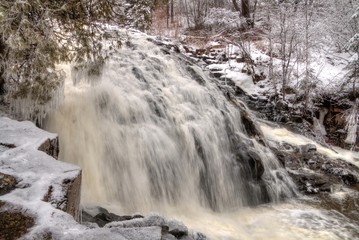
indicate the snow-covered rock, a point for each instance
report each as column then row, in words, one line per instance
column 40, row 184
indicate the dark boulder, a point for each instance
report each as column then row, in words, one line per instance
column 177, row 229
column 308, row 148
column 346, row 175
column 251, row 128
column 256, row 165
column 195, row 75
column 104, row 217
column 280, row 156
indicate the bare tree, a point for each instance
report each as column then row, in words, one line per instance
column 236, row 6
column 287, row 37
column 271, row 76
column 246, row 13
column 196, row 11
column 307, row 77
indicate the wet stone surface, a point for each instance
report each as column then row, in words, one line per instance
column 313, row 172
column 168, row 229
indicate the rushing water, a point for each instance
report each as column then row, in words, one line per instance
column 156, row 135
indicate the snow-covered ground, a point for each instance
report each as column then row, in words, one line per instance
column 327, row 67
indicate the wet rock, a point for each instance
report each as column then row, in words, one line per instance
column 51, row 147
column 217, row 74
column 311, row 162
column 106, row 217
column 138, row 74
column 14, row 224
column 195, row 75
column 313, row 172
column 168, row 236
column 177, row 228
column 140, row 233
column 72, row 189
column 346, row 175
column 349, row 179
column 308, row 148
column 70, row 201
column 256, row 165
column 310, row 182
column 170, row 229
column 280, row 156
column 345, row 202
column 251, row 128
column 152, row 220
column 7, row 183
column 197, row 236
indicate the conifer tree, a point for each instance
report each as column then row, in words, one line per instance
column 36, row 35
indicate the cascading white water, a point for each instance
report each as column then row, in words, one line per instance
column 155, row 134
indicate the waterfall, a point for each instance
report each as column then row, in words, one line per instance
column 155, row 131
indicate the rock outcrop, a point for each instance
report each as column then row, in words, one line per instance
column 314, row 172
column 30, row 176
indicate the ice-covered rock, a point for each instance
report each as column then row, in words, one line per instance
column 31, row 179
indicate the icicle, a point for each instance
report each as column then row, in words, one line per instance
column 352, row 124
column 318, row 124
column 30, row 109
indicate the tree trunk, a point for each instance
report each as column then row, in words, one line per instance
column 168, row 13
column 172, row 12
column 2, row 56
column 245, row 10
column 271, row 67
column 236, row 6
